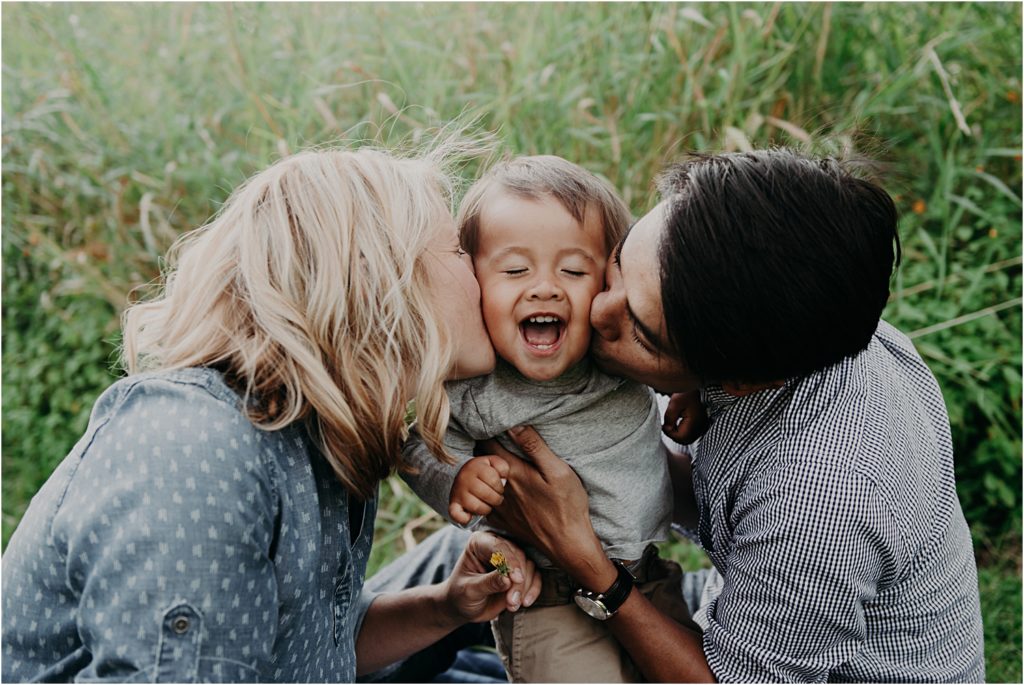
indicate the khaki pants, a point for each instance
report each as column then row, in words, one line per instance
column 561, row 644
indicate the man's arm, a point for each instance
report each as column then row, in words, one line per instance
column 546, row 504
column 665, row 651
column 811, row 543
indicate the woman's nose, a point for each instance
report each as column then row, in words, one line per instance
column 601, row 315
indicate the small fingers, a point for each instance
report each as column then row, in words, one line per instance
column 685, row 418
column 673, row 432
column 677, row 405
column 500, row 466
column 490, row 494
column 458, row 514
column 471, row 505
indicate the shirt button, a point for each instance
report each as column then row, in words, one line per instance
column 180, row 625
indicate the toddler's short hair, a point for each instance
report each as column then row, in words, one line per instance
column 532, row 177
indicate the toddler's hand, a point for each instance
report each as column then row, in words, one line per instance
column 685, row 418
column 478, row 488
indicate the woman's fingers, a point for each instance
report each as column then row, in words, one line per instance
column 532, row 583
column 521, row 570
column 517, row 562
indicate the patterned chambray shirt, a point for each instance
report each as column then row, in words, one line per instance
column 830, row 509
column 179, row 543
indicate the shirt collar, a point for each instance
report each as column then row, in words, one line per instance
column 572, row 381
column 716, row 399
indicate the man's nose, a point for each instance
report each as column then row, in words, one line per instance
column 601, row 316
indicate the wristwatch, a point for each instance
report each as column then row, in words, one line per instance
column 603, row 605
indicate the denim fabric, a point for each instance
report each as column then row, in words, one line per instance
column 179, row 543
column 474, row 666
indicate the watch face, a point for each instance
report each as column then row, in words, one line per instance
column 592, row 607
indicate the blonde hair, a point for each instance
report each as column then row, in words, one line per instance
column 576, row 189
column 309, row 291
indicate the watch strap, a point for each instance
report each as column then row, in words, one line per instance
column 616, row 595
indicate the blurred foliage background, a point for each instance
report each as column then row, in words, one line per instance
column 124, row 125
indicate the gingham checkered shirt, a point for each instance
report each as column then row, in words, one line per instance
column 829, row 508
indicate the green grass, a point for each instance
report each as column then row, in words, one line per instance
column 124, row 125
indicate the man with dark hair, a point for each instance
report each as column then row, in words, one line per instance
column 780, row 262
column 823, row 489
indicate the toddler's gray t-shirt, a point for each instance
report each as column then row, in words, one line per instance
column 607, row 429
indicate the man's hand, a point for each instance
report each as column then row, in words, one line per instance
column 546, row 505
column 479, row 487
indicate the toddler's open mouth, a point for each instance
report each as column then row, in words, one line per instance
column 542, row 332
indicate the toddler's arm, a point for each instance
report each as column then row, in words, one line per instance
column 433, row 479
column 478, row 488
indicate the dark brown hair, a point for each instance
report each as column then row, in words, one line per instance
column 773, row 264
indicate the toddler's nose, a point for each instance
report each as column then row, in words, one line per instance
column 544, row 289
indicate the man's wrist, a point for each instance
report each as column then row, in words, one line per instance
column 602, row 605
column 593, row 570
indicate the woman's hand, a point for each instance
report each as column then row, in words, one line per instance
column 476, row 592
column 546, row 505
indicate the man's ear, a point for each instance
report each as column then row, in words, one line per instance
column 737, row 389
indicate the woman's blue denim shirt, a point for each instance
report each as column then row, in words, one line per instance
column 179, row 543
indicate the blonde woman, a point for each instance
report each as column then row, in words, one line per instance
column 215, row 520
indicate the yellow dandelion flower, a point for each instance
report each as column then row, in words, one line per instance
column 499, row 563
